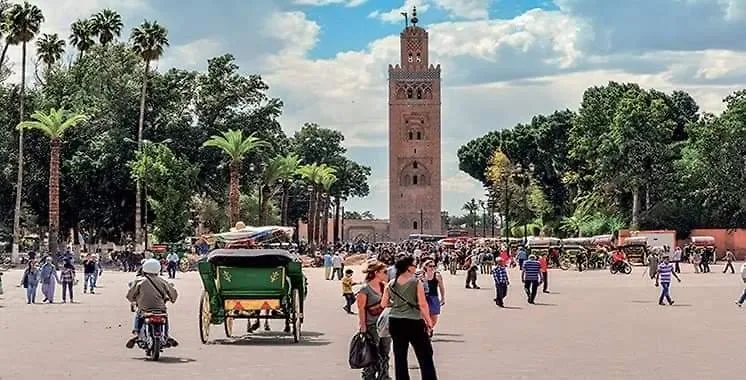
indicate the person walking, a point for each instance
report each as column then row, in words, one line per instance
column 30, row 281
column 67, row 277
column 472, row 265
column 531, row 276
column 663, row 278
column 522, row 256
column 743, row 278
column 90, row 272
column 435, row 291
column 500, row 276
column 676, row 259
column 337, row 264
column 409, row 321
column 49, row 280
column 697, row 260
column 729, row 258
column 544, row 268
column 327, row 265
column 172, row 264
column 369, row 309
column 653, row 262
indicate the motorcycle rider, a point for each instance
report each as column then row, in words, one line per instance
column 617, row 259
column 150, row 293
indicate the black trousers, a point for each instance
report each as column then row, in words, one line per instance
column 501, row 291
column 729, row 265
column 411, row 331
column 471, row 277
column 531, row 288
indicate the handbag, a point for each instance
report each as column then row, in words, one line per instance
column 382, row 325
column 363, row 351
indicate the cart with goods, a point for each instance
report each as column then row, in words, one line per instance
column 552, row 247
column 578, row 251
column 251, row 284
column 636, row 249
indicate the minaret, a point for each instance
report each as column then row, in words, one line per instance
column 414, row 137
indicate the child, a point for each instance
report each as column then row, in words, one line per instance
column 67, row 277
column 347, row 292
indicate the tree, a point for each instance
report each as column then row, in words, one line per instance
column 234, row 145
column 53, row 124
column 472, row 207
column 24, row 21
column 169, row 180
column 326, row 184
column 274, row 178
column 314, row 174
column 49, row 49
column 81, row 36
column 107, row 24
column 148, row 41
column 5, row 27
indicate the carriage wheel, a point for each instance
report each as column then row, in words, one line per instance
column 295, row 318
column 228, row 325
column 205, row 317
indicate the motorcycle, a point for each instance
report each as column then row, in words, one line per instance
column 153, row 337
column 620, row 267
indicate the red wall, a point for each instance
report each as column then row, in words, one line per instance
column 735, row 240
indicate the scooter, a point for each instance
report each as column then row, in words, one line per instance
column 620, row 267
column 153, row 337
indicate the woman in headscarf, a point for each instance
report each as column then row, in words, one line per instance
column 49, row 280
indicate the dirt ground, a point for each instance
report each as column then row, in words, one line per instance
column 592, row 326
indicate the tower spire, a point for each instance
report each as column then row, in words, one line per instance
column 414, row 16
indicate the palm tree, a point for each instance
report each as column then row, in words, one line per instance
column 53, row 124
column 236, row 147
column 148, row 41
column 274, row 177
column 49, row 49
column 313, row 175
column 4, row 30
column 327, row 180
column 81, row 36
column 23, row 22
column 291, row 163
column 574, row 224
column 107, row 24
column 472, row 207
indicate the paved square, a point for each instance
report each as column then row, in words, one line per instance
column 594, row 326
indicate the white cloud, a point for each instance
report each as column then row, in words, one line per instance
column 192, row 55
column 318, row 3
column 395, row 15
column 469, row 9
column 297, row 33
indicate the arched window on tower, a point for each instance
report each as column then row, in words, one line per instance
column 414, row 225
column 422, row 180
column 419, row 93
column 414, row 179
column 419, row 135
column 407, row 180
column 410, row 93
column 410, row 58
column 414, row 165
column 419, row 59
column 411, row 135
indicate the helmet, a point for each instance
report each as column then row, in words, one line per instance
column 151, row 266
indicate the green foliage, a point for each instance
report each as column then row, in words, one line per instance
column 169, row 182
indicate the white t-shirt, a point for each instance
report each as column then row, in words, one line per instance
column 743, row 271
column 337, row 261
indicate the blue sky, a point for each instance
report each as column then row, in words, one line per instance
column 503, row 61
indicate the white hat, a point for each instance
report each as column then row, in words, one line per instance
column 151, row 266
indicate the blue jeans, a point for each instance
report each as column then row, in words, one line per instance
column 743, row 297
column 665, row 292
column 31, row 293
column 89, row 280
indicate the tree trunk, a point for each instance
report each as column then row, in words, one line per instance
column 234, row 196
column 138, row 185
column 54, row 195
column 284, row 212
column 19, row 179
column 635, row 225
column 311, row 218
column 317, row 217
column 5, row 51
column 325, row 221
column 337, row 206
column 647, row 197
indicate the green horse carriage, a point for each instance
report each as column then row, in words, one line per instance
column 246, row 283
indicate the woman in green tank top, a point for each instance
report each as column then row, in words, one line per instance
column 409, row 321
